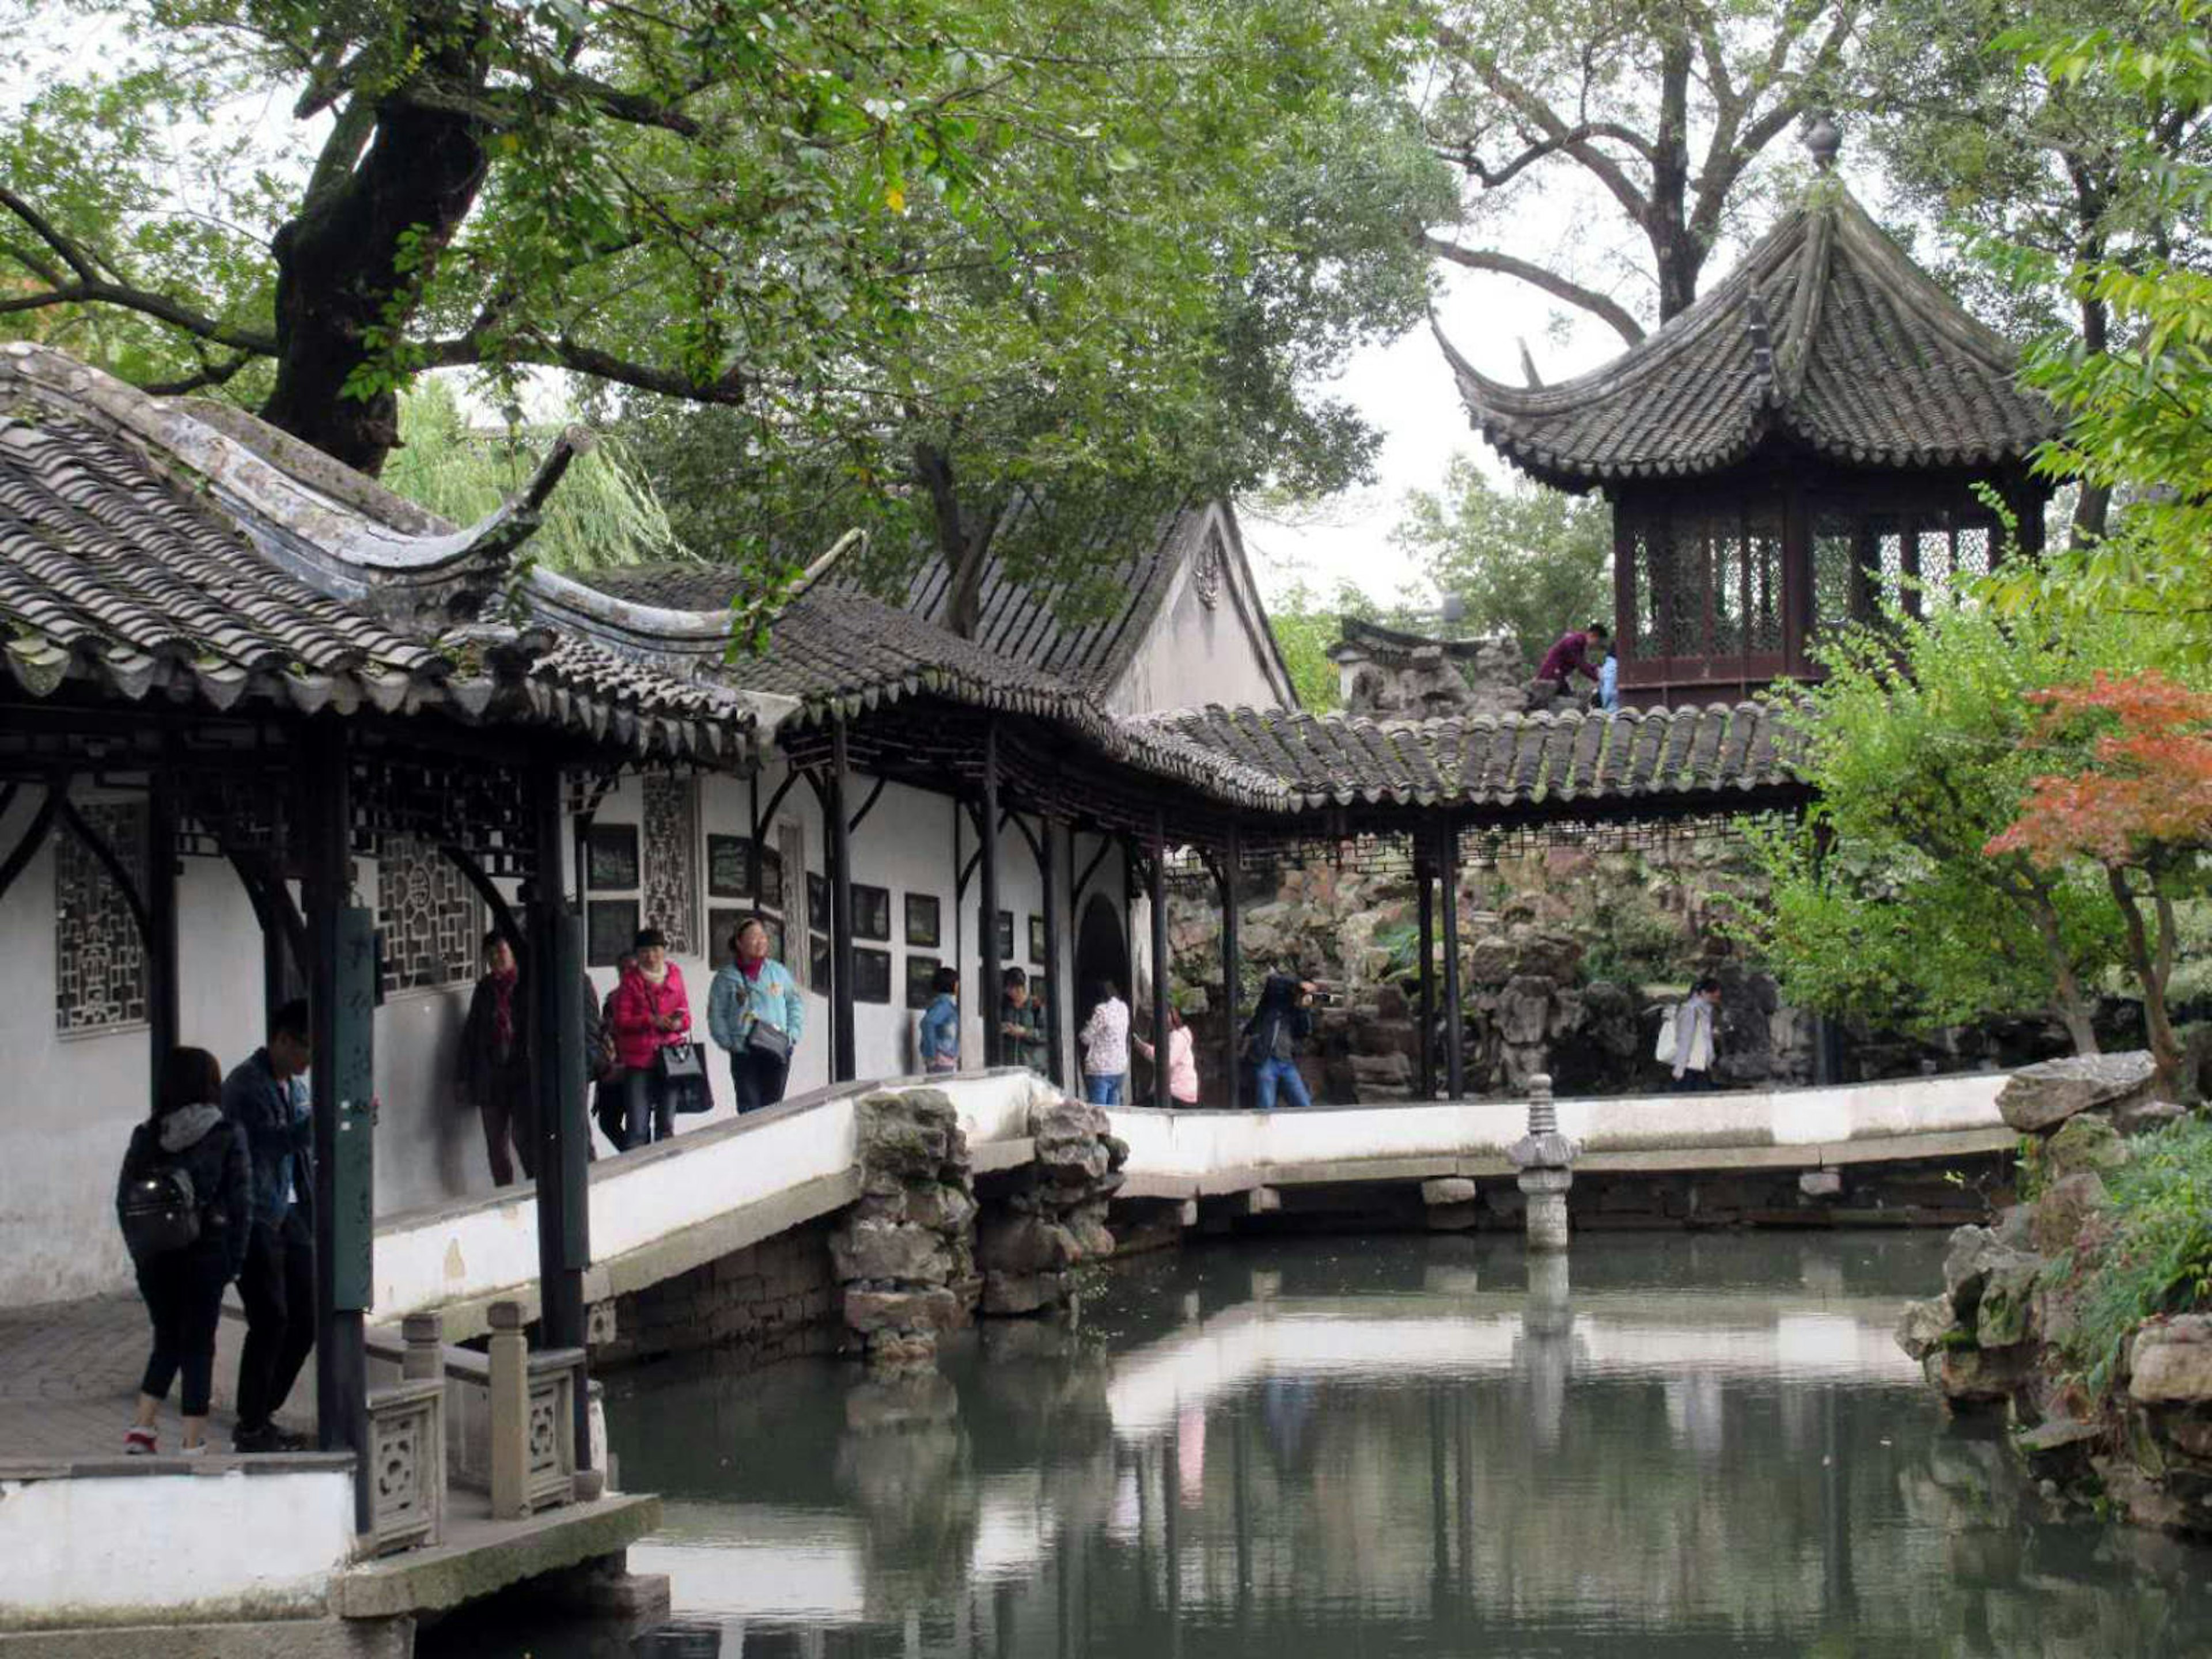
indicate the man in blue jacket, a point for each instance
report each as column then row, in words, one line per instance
column 267, row 1096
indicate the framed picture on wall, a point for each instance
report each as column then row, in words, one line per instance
column 1036, row 940
column 613, row 859
column 609, row 925
column 872, row 977
column 924, row 921
column 729, row 867
column 871, row 915
column 1005, row 935
column 919, row 972
column 771, row 893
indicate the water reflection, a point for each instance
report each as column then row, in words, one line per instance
column 1414, row 1447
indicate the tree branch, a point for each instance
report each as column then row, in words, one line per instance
column 1463, row 157
column 207, row 375
column 73, row 256
column 1600, row 306
column 159, row 306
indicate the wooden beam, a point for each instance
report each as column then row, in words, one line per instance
column 1232, row 968
column 1425, row 890
column 35, row 832
column 1057, row 925
column 1161, row 1001
column 842, row 1065
column 1455, row 1023
column 988, row 994
column 164, row 1015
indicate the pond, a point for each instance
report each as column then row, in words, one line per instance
column 1672, row 1444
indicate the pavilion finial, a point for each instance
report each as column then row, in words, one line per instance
column 1823, row 139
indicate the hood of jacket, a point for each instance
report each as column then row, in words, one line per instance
column 184, row 1126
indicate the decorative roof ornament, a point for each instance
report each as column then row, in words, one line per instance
column 1206, row 572
column 1823, row 139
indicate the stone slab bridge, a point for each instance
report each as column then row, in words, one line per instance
column 717, row 1209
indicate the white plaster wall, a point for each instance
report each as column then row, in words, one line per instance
column 1196, row 653
column 207, row 1547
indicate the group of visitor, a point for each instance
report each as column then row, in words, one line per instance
column 217, row 1186
column 1575, row 652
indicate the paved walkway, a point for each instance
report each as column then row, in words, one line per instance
column 69, row 1377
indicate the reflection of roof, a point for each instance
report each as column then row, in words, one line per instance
column 1571, row 759
column 146, row 547
column 1826, row 332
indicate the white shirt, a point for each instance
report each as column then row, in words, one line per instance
column 1105, row 1039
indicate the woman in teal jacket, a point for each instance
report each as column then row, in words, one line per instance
column 755, row 1011
column 940, row 1037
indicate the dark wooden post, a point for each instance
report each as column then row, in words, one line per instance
column 557, row 1080
column 1455, row 1025
column 987, row 994
column 842, row 1066
column 1232, row 968
column 1055, row 902
column 343, row 998
column 1161, row 1098
column 1425, row 888
column 163, row 1016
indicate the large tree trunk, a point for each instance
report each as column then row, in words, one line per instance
column 1675, row 251
column 963, row 548
column 2068, row 999
column 350, row 270
column 2093, row 505
column 2151, row 966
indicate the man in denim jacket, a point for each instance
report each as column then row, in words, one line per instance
column 267, row 1096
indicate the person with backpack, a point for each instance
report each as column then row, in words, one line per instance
column 183, row 1202
column 1685, row 1041
column 266, row 1097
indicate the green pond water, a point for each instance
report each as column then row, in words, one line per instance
column 1669, row 1445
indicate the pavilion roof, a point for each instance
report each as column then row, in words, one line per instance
column 1827, row 333
column 155, row 547
column 1656, row 758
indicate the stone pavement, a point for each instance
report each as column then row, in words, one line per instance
column 69, row 1376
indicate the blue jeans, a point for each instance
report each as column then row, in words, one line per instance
column 1272, row 1074
column 1104, row 1090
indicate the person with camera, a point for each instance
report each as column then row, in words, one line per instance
column 1283, row 1020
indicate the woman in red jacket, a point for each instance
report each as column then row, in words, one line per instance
column 651, row 1012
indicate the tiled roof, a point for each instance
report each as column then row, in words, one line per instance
column 1567, row 760
column 1826, row 332
column 144, row 551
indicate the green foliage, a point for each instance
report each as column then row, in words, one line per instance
column 1305, row 624
column 602, row 514
column 1913, row 743
column 2158, row 1259
column 1526, row 561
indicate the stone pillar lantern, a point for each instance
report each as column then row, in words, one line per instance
column 1545, row 1159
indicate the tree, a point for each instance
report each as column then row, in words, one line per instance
column 1126, row 328
column 662, row 196
column 1525, row 560
column 1665, row 110
column 1885, row 903
column 2066, row 168
column 1305, row 623
column 2136, row 805
column 603, row 513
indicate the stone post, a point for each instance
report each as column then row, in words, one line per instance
column 510, row 1412
column 1545, row 1159
column 424, row 1360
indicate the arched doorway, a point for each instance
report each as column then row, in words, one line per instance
column 1101, row 953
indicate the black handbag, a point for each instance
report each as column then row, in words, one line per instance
column 766, row 1040
column 680, row 1062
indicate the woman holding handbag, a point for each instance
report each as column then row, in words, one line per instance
column 653, row 1040
column 754, row 1012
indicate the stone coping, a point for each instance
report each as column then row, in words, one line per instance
column 482, row 1556
column 173, row 1465
column 607, row 1168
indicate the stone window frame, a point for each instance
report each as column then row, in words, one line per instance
column 84, row 893
column 458, row 901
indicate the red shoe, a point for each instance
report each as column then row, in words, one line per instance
column 140, row 1443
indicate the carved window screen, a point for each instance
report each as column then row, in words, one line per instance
column 99, row 960
column 670, row 894
column 429, row 918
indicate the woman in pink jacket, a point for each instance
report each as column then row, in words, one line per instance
column 1182, row 1061
column 651, row 1012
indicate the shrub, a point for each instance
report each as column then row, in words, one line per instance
column 2158, row 1259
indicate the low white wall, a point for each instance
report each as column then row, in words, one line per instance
column 464, row 1252
column 1196, row 1144
column 168, row 1548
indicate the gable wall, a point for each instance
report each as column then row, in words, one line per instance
column 1196, row 653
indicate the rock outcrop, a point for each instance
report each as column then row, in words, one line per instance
column 904, row 1254
column 1054, row 1218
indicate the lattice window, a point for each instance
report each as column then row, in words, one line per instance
column 1933, row 552
column 1838, row 585
column 1763, row 617
column 1646, row 567
column 671, row 860
column 1888, row 570
column 429, row 918
column 1684, row 600
column 99, row 960
column 1970, row 553
column 1723, row 550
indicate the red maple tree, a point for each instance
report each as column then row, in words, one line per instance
column 2136, row 799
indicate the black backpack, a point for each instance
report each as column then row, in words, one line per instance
column 158, row 1208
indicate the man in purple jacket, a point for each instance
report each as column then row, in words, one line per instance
column 1571, row 652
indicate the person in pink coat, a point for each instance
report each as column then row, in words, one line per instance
column 650, row 1011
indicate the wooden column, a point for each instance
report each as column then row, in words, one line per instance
column 343, row 998
column 986, row 995
column 1056, row 924
column 1161, row 1098
column 1232, row 968
column 555, row 975
column 1454, row 1026
column 1424, row 887
column 842, row 1066
column 163, row 1016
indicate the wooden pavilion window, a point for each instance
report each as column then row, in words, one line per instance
column 1708, row 593
column 1867, row 563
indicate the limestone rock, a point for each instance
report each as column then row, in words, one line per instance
column 2084, row 1145
column 1975, row 1375
column 2059, row 1213
column 1924, row 1325
column 876, row 1249
column 2171, row 1364
column 1492, row 962
column 2004, row 1316
column 2039, row 1097
column 936, row 1307
column 1965, row 1267
column 1023, row 1244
